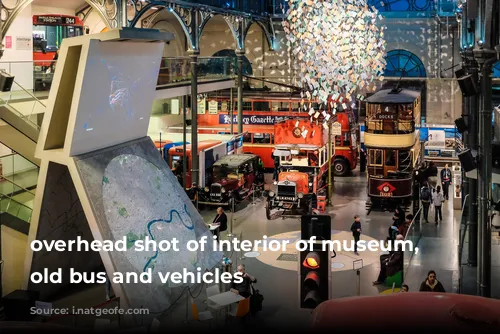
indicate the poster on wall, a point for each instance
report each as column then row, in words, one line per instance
column 213, row 107
column 23, row 43
column 8, row 42
column 202, row 107
column 223, row 106
column 439, row 142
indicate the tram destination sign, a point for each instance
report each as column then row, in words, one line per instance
column 386, row 116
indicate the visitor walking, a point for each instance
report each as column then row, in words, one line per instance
column 426, row 198
column 356, row 232
column 446, row 180
column 437, row 200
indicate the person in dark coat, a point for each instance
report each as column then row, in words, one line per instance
column 221, row 220
column 431, row 284
column 356, row 232
column 390, row 264
column 244, row 288
column 446, row 180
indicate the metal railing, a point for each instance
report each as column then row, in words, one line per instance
column 11, row 206
column 14, row 164
column 414, row 234
column 16, row 188
column 9, row 101
column 178, row 70
column 462, row 233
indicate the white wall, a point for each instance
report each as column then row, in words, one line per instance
column 19, row 62
column 94, row 22
column 44, row 10
column 4, row 150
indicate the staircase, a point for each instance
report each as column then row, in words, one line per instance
column 16, row 200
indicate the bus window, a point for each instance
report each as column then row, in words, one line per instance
column 390, row 158
column 262, row 138
column 295, row 107
column 247, row 138
column 375, row 157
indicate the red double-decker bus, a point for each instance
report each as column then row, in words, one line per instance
column 259, row 117
column 49, row 31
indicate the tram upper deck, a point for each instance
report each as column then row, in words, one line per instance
column 393, row 118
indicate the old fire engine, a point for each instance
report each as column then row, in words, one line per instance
column 302, row 150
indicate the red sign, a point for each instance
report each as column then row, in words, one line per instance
column 386, row 189
column 8, row 42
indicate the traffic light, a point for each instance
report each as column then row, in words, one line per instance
column 315, row 264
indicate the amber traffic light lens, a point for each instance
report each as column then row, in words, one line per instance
column 311, row 261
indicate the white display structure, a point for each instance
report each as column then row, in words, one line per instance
column 101, row 176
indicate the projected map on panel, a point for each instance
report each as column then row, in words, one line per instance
column 154, row 210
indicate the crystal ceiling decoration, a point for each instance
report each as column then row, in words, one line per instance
column 338, row 48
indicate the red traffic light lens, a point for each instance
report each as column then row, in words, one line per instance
column 311, row 261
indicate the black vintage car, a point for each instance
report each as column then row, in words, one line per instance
column 232, row 179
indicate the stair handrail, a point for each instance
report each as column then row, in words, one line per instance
column 35, row 99
column 19, row 203
column 17, row 185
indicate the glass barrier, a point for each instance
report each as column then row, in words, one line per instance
column 19, row 170
column 23, row 103
column 15, row 208
column 244, row 6
column 43, row 73
column 413, row 235
column 178, row 70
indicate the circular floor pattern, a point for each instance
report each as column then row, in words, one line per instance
column 288, row 260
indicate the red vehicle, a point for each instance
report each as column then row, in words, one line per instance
column 48, row 33
column 443, row 312
column 302, row 148
column 259, row 117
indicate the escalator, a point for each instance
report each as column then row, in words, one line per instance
column 19, row 127
column 16, row 205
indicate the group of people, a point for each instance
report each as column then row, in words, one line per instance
column 430, row 192
column 430, row 284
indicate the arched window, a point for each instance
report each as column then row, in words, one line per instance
column 402, row 5
column 402, row 63
column 247, row 66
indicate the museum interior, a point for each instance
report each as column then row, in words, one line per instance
column 301, row 165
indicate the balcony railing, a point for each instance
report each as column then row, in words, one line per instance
column 175, row 71
column 257, row 7
column 390, row 8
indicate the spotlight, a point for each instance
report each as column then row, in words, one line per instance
column 480, row 43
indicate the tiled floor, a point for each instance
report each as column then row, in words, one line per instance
column 437, row 251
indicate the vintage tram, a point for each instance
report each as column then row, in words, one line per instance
column 392, row 142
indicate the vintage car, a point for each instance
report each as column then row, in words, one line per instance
column 232, row 179
column 294, row 195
